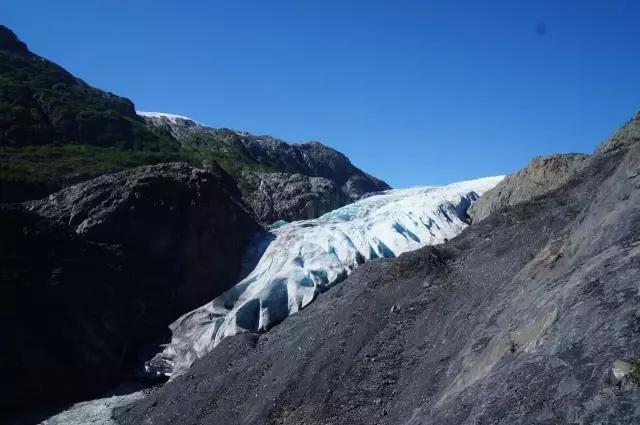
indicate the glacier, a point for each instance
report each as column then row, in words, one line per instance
column 307, row 257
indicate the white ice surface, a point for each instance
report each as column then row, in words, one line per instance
column 307, row 257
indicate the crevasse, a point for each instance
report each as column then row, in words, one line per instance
column 305, row 258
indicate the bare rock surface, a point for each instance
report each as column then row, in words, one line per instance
column 626, row 135
column 290, row 197
column 516, row 321
column 542, row 175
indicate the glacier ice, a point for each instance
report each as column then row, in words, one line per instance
column 304, row 258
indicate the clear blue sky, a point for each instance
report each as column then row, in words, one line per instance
column 414, row 92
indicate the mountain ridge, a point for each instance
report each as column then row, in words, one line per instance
column 269, row 164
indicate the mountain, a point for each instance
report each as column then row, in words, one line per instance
column 313, row 177
column 43, row 104
column 528, row 316
column 125, row 223
column 56, row 130
column 305, row 258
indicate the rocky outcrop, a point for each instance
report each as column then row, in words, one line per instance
column 626, row 135
column 186, row 227
column 289, row 197
column 96, row 271
column 543, row 174
column 279, row 165
column 518, row 320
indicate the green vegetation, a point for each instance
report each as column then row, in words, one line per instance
column 60, row 165
column 42, row 104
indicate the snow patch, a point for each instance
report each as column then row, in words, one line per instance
column 305, row 258
column 173, row 118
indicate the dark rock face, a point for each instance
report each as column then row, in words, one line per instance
column 186, row 227
column 94, row 272
column 542, row 175
column 521, row 319
column 64, row 315
column 289, row 197
column 285, row 160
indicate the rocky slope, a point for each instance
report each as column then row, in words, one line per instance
column 627, row 135
column 96, row 271
column 542, row 175
column 529, row 316
column 281, row 167
column 289, row 197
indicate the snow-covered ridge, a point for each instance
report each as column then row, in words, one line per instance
column 306, row 257
column 182, row 120
column 173, row 118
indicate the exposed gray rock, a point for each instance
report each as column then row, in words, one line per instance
column 526, row 312
column 289, row 197
column 542, row 175
column 628, row 134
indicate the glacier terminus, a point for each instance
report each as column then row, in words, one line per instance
column 304, row 258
